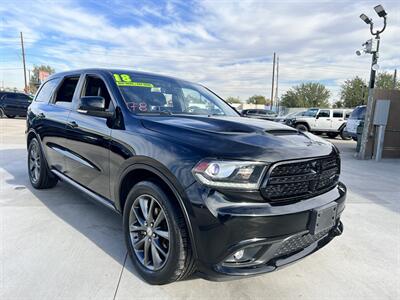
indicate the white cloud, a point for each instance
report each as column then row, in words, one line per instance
column 226, row 45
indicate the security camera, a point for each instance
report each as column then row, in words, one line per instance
column 365, row 18
column 380, row 11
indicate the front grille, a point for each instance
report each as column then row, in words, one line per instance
column 304, row 179
column 298, row 243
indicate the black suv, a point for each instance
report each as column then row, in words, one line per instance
column 14, row 104
column 200, row 188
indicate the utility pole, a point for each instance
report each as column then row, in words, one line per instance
column 394, row 78
column 23, row 61
column 277, row 81
column 371, row 47
column 273, row 81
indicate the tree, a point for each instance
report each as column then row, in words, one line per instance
column 354, row 92
column 338, row 104
column 34, row 81
column 258, row 99
column 385, row 80
column 310, row 94
column 233, row 100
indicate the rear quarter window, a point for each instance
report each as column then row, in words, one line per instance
column 46, row 91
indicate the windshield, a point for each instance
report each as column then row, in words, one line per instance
column 358, row 113
column 311, row 112
column 147, row 94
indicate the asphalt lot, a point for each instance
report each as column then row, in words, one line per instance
column 58, row 244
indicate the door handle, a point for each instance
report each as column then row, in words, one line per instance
column 73, row 124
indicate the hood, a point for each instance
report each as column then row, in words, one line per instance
column 239, row 137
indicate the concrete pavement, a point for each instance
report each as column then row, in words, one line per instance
column 58, row 244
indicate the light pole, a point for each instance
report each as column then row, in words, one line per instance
column 371, row 47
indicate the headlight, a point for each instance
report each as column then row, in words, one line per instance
column 229, row 174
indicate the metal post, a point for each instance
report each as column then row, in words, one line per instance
column 273, row 81
column 370, row 103
column 23, row 61
column 379, row 142
column 277, row 81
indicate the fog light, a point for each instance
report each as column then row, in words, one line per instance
column 239, row 254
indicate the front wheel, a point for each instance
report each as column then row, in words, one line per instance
column 301, row 127
column 344, row 135
column 10, row 116
column 39, row 174
column 156, row 234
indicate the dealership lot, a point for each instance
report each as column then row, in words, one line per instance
column 58, row 244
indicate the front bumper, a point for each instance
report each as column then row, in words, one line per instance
column 276, row 235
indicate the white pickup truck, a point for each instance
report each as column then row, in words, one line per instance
column 329, row 121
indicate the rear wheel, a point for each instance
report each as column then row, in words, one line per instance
column 301, row 127
column 344, row 135
column 332, row 135
column 2, row 114
column 156, row 235
column 10, row 116
column 39, row 174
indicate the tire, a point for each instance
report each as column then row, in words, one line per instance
column 39, row 174
column 2, row 113
column 301, row 127
column 354, row 139
column 332, row 135
column 10, row 116
column 344, row 135
column 172, row 259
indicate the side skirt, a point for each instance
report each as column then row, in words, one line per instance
column 92, row 195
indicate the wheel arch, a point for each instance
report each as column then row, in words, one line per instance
column 142, row 170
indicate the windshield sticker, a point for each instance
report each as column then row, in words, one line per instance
column 142, row 106
column 156, row 90
column 125, row 80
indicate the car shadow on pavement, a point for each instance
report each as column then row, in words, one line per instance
column 96, row 222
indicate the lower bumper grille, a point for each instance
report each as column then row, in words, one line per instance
column 298, row 243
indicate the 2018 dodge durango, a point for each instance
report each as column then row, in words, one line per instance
column 200, row 188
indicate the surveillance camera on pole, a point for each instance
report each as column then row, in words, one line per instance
column 371, row 47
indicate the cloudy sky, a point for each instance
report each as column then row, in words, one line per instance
column 226, row 45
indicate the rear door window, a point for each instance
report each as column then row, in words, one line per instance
column 66, row 92
column 338, row 113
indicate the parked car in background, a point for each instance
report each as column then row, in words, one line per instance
column 354, row 120
column 259, row 114
column 199, row 189
column 316, row 120
column 14, row 104
column 284, row 118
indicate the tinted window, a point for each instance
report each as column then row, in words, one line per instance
column 95, row 86
column 155, row 94
column 358, row 113
column 311, row 112
column 66, row 91
column 324, row 114
column 46, row 91
column 338, row 114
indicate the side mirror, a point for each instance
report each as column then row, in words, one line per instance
column 94, row 106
